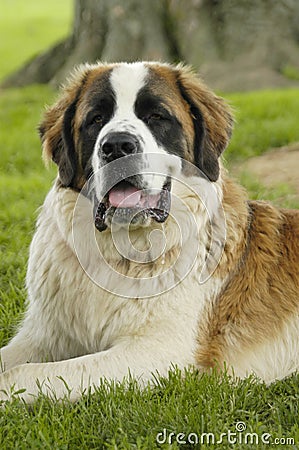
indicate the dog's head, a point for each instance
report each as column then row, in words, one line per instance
column 139, row 121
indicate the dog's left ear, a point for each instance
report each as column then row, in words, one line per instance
column 56, row 130
column 57, row 138
column 212, row 121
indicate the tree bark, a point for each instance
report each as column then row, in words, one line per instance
column 235, row 44
column 240, row 44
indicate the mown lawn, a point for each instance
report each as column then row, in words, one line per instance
column 126, row 417
column 176, row 413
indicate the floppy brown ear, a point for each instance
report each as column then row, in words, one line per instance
column 212, row 121
column 56, row 133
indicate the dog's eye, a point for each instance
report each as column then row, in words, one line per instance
column 152, row 118
column 155, row 116
column 97, row 120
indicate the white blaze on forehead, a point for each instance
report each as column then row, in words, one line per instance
column 126, row 81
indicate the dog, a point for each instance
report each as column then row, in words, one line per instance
column 146, row 255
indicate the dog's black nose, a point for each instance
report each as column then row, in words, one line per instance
column 117, row 145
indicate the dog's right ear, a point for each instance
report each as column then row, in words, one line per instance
column 212, row 121
column 56, row 133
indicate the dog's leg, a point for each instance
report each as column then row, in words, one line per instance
column 20, row 350
column 39, row 340
column 139, row 358
column 28, row 345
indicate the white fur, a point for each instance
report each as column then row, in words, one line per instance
column 69, row 316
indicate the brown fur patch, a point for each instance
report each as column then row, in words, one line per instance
column 261, row 292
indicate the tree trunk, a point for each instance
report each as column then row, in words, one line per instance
column 235, row 44
column 240, row 44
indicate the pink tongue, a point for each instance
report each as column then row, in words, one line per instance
column 125, row 196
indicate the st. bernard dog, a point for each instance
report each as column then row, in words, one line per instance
column 146, row 255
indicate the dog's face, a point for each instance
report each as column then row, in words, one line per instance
column 134, row 124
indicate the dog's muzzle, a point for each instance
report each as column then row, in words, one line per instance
column 128, row 202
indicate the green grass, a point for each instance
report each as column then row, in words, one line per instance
column 281, row 195
column 290, row 72
column 23, row 184
column 264, row 120
column 119, row 417
column 21, row 110
column 28, row 27
column 126, row 417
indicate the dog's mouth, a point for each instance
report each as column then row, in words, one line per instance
column 126, row 204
